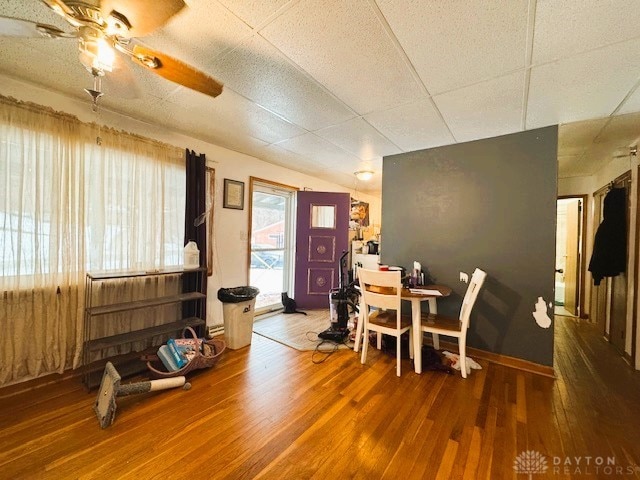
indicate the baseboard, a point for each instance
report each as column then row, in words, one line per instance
column 505, row 360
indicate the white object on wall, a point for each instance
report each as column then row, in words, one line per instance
column 540, row 315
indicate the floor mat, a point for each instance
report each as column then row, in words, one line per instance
column 297, row 330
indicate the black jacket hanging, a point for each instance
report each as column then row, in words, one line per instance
column 609, row 257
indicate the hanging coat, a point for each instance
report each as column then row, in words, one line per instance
column 609, row 257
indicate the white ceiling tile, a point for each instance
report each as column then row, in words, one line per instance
column 261, row 73
column 413, row 126
column 253, row 12
column 344, row 46
column 304, row 164
column 234, row 111
column 459, row 42
column 33, row 10
column 326, row 154
column 58, row 70
column 195, row 120
column 360, row 138
column 589, row 85
column 564, row 28
column 632, row 104
column 484, row 110
column 199, row 33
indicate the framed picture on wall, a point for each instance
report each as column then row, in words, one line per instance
column 360, row 212
column 233, row 194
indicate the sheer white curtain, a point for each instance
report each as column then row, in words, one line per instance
column 70, row 203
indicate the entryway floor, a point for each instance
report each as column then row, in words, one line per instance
column 560, row 310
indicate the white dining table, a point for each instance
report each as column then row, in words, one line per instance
column 417, row 295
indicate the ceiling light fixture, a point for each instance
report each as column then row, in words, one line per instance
column 364, row 175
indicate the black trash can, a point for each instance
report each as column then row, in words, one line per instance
column 238, row 306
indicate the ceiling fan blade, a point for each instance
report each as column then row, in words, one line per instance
column 15, row 27
column 144, row 16
column 176, row 71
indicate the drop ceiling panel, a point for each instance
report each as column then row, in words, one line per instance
column 199, row 33
column 484, row 110
column 590, row 85
column 569, row 27
column 253, row 12
column 53, row 71
column 459, row 42
column 236, row 112
column 413, row 126
column 359, row 138
column 633, row 102
column 327, row 153
column 261, row 73
column 198, row 122
column 33, row 10
column 344, row 46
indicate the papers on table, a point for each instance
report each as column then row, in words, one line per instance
column 425, row 291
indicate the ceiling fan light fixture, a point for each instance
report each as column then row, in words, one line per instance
column 96, row 53
column 364, row 175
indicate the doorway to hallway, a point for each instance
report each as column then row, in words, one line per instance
column 569, row 284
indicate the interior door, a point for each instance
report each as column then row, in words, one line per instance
column 598, row 309
column 571, row 261
column 322, row 235
column 619, row 289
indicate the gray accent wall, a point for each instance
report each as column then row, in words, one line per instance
column 490, row 204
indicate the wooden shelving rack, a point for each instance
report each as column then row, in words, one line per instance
column 130, row 363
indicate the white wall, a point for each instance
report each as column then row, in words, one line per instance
column 231, row 226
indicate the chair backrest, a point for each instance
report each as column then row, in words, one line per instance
column 477, row 279
column 380, row 289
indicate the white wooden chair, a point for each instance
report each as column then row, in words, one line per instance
column 382, row 290
column 451, row 327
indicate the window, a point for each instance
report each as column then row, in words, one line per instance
column 71, row 204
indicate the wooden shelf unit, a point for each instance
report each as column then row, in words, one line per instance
column 130, row 363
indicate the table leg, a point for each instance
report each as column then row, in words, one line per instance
column 417, row 335
column 359, row 327
column 433, row 308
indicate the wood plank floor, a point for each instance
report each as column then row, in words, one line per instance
column 267, row 411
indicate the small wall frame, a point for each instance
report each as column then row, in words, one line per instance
column 233, row 194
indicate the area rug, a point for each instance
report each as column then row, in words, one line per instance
column 297, row 330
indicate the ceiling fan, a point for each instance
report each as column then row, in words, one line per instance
column 103, row 27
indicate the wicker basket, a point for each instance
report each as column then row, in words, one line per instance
column 212, row 350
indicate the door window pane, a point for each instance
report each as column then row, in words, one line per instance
column 323, row 216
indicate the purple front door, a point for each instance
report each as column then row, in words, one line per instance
column 322, row 234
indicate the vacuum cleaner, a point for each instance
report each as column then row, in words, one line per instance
column 340, row 299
